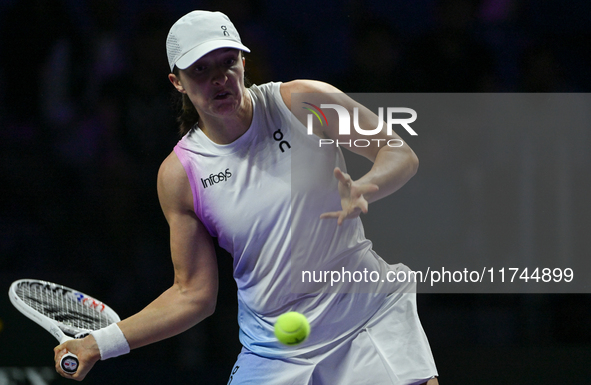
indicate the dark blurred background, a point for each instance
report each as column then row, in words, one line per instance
column 87, row 115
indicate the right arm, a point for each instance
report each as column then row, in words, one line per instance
column 192, row 296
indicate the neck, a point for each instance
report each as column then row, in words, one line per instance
column 226, row 129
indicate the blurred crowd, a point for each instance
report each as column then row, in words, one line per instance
column 87, row 113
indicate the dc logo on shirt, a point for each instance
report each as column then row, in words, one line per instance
column 233, row 373
column 278, row 136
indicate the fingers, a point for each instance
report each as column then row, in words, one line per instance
column 342, row 215
column 352, row 197
column 332, row 214
column 342, row 176
column 363, row 206
column 59, row 352
column 87, row 357
column 361, row 188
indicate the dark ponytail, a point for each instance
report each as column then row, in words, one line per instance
column 188, row 115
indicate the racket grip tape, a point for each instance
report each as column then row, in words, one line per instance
column 69, row 363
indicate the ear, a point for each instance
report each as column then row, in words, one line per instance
column 176, row 82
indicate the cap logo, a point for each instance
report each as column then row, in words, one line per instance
column 225, row 29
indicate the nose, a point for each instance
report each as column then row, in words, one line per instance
column 219, row 76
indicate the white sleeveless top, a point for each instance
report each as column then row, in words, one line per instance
column 262, row 196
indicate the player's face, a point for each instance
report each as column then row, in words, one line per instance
column 215, row 82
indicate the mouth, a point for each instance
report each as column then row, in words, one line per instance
column 221, row 95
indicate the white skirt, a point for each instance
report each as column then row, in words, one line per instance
column 391, row 348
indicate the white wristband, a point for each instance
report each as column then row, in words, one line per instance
column 111, row 341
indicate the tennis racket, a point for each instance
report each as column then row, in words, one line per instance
column 65, row 313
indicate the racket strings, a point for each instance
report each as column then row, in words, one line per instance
column 54, row 302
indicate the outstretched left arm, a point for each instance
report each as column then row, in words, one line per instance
column 392, row 166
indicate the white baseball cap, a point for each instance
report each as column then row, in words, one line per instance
column 198, row 33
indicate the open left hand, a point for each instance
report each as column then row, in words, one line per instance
column 352, row 201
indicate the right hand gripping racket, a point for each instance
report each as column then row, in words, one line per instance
column 65, row 313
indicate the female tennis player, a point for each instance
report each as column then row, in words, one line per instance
column 249, row 173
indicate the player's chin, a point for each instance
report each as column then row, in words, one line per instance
column 225, row 106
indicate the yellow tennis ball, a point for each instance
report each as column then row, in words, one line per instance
column 292, row 328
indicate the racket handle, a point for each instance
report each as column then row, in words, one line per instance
column 69, row 363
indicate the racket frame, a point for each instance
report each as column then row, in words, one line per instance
column 69, row 362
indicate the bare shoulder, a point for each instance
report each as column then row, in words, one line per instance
column 306, row 85
column 172, row 173
column 174, row 189
column 171, row 168
column 303, row 86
